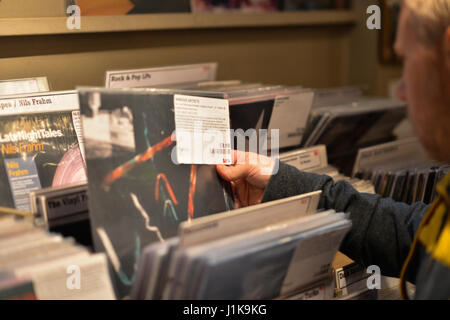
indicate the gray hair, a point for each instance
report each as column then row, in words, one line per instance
column 430, row 18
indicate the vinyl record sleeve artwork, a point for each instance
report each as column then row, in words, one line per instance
column 37, row 151
column 137, row 194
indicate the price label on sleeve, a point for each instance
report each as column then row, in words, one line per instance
column 202, row 130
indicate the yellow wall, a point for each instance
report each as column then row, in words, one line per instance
column 313, row 56
column 316, row 57
column 365, row 66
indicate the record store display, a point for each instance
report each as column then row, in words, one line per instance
column 218, row 157
column 91, row 178
column 137, row 202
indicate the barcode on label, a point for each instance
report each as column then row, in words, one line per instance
column 220, row 151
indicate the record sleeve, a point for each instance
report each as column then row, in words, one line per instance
column 254, row 106
column 137, row 194
column 39, row 149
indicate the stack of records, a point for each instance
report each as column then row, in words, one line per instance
column 314, row 159
column 253, row 106
column 63, row 210
column 346, row 128
column 40, row 141
column 400, row 170
column 37, row 265
column 284, row 254
column 268, row 107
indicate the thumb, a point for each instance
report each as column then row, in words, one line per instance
column 233, row 172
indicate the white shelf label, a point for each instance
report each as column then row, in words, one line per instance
column 202, row 130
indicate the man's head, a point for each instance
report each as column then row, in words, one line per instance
column 423, row 41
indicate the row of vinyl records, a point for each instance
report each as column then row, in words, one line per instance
column 73, row 221
column 30, row 252
column 206, row 260
column 123, row 137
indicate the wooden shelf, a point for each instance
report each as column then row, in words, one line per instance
column 174, row 21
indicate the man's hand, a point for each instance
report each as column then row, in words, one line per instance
column 249, row 175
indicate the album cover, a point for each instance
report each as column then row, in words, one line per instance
column 137, row 194
column 37, row 151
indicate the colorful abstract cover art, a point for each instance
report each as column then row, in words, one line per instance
column 137, row 194
column 232, row 5
column 123, row 7
column 37, row 151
